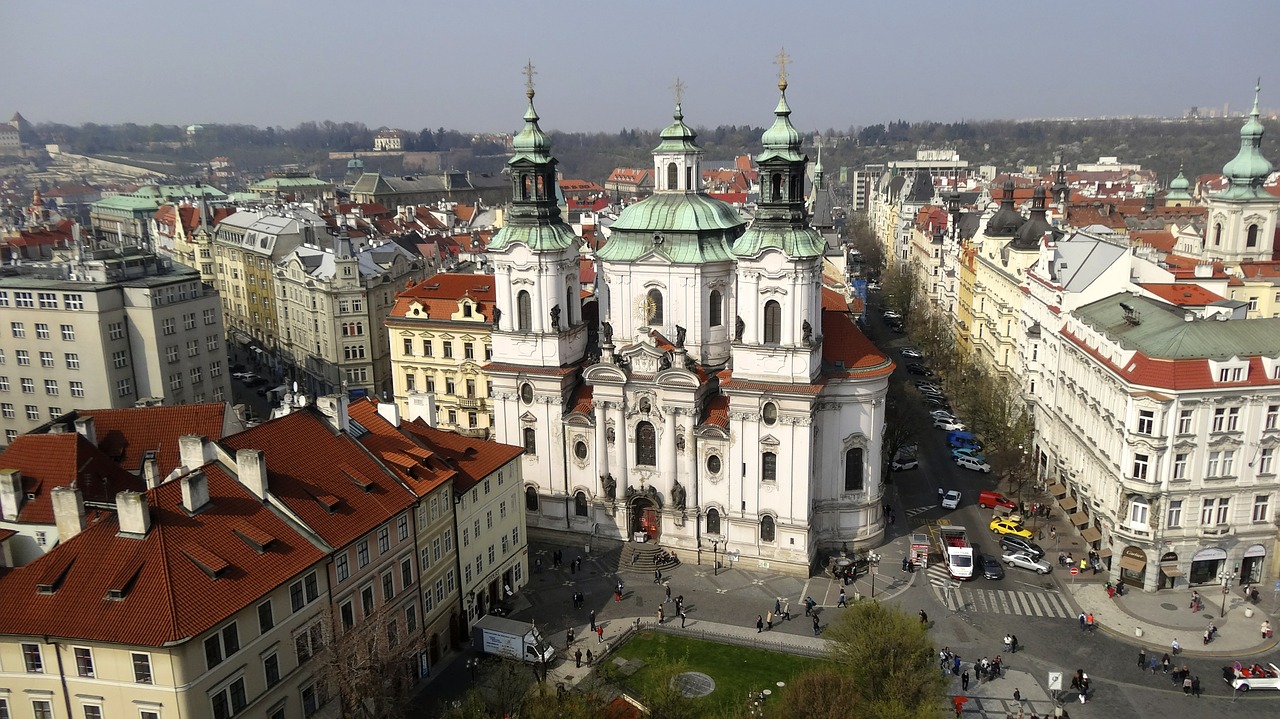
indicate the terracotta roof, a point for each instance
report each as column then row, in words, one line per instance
column 586, row 270
column 47, row 461
column 628, row 175
column 1269, row 270
column 126, row 434
column 1179, row 374
column 846, row 352
column 439, row 295
column 474, row 459
column 165, row 594
column 302, row 454
column 727, row 381
column 584, row 186
column 1182, row 293
column 7, row 533
column 581, row 401
column 421, row 469
column 833, row 301
column 718, row 412
column 1162, row 240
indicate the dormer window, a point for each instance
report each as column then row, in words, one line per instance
column 466, row 309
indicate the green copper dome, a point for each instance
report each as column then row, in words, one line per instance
column 678, row 137
column 531, row 142
column 781, row 140
column 1248, row 169
column 1180, row 182
column 685, row 228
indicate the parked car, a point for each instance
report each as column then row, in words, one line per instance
column 968, row 452
column 964, row 443
column 951, row 500
column 948, row 424
column 1028, row 562
column 937, row 402
column 1006, row 527
column 942, row 414
column 991, row 568
column 1252, row 677
column 898, row 327
column 988, row 499
column 1012, row 543
column 891, row 315
column 903, row 464
column 962, row 434
column 873, row 286
column 919, row 369
column 911, row 353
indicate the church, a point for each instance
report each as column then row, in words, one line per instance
column 725, row 405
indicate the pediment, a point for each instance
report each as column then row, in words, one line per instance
column 770, row 440
column 528, row 417
column 602, row 373
column 677, row 378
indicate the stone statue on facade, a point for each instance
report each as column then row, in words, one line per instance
column 630, row 493
column 610, row 486
column 677, row 496
column 680, row 332
column 607, row 329
column 739, row 327
column 555, row 318
column 807, row 329
column 497, row 317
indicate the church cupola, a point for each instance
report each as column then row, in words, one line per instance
column 677, row 159
column 1248, row 169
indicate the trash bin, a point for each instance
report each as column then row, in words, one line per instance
column 1248, row 612
column 586, row 549
column 1137, row 631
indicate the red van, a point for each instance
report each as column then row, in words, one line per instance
column 989, row 499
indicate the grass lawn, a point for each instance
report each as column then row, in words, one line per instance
column 736, row 670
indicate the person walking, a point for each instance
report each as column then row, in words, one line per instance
column 777, row 606
column 662, row 614
column 816, row 627
column 809, row 604
column 964, row 682
column 1013, row 646
column 1082, row 620
column 600, row 635
column 786, row 610
column 577, row 658
column 924, row 618
column 664, row 601
column 568, row 638
column 589, row 659
column 955, row 664
column 1176, row 647
column 592, row 617
column 1266, row 629
column 768, row 620
column 1017, row 695
column 1195, row 687
column 1165, row 662
column 683, row 617
column 1186, row 686
column 842, row 602
column 657, row 576
column 1142, row 659
column 759, row 624
column 1089, row 621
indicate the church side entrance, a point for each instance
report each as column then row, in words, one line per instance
column 645, row 519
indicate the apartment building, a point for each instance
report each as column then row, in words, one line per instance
column 105, row 328
column 333, row 295
column 128, row 216
column 440, row 331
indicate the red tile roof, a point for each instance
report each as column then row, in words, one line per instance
column 307, row 462
column 1269, row 270
column 167, row 595
column 126, row 434
column 1182, row 293
column 47, row 461
column 718, row 412
column 421, row 469
column 474, row 459
column 586, row 270
column 1162, row 240
column 568, row 186
column 846, row 352
column 832, row 300
column 439, row 295
column 582, row 399
column 1181, row 374
column 629, row 175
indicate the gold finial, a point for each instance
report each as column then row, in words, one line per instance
column 528, row 79
column 781, row 61
column 678, row 88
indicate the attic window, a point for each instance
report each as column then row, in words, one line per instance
column 357, row 478
column 257, row 539
column 118, row 588
column 329, row 502
column 210, row 563
column 52, row 579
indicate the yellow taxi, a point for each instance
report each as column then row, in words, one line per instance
column 1004, row 526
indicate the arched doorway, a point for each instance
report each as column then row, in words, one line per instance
column 1169, row 570
column 1251, row 565
column 645, row 519
column 1206, row 564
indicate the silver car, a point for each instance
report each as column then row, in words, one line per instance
column 1022, row 560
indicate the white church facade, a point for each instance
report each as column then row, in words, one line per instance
column 725, row 404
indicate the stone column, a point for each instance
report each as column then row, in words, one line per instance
column 508, row 321
column 668, row 459
column 748, row 308
column 602, row 444
column 620, row 447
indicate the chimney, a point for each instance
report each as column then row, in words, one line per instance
column 251, row 466
column 151, row 469
column 192, row 449
column 195, row 492
column 133, row 514
column 422, row 405
column 334, row 406
column 390, row 411
column 68, row 511
column 84, row 426
column 11, row 495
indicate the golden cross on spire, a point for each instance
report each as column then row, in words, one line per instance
column 781, row 61
column 528, row 78
column 678, row 88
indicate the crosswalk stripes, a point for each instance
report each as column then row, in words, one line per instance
column 1028, row 604
column 918, row 510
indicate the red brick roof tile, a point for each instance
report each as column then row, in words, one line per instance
column 126, row 434
column 718, row 412
column 582, row 399
column 1182, row 293
column 439, row 295
column 474, row 459
column 421, row 469
column 47, row 461
column 846, row 352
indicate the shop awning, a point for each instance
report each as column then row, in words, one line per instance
column 1104, row 553
column 1090, row 534
column 1171, row 570
column 1057, row 490
column 1067, row 503
column 1079, row 519
column 1133, row 564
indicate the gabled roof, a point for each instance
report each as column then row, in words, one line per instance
column 474, row 459
column 1182, row 293
column 165, row 594
column 440, row 294
column 419, row 468
column 308, row 463
column 126, row 434
column 846, row 352
column 47, row 461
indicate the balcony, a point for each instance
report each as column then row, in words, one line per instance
column 477, row 432
column 476, row 403
column 1215, row 531
column 1122, row 530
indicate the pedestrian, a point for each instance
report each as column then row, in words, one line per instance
column 1153, row 664
column 786, row 610
column 577, row 658
column 1053, row 533
column 1266, row 629
column 683, row 618
column 1195, row 687
column 568, row 638
column 573, row 567
column 1013, row 646
column 1017, row 695
column 1008, row 642
column 808, row 606
column 964, row 682
column 1207, row 635
column 815, row 625
column 588, row 656
column 842, row 602
column 600, row 634
column 1165, row 663
column 768, row 620
column 905, row 563
column 941, row 493
column 777, row 607
column 664, row 601
column 1186, row 687
column 661, row 614
column 592, row 617
column 1142, row 659
column 1089, row 621
column 657, row 576
column 955, row 664
column 679, row 603
column 1176, row 647
column 759, row 624
column 924, row 618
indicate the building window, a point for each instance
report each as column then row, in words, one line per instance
column 221, row 645
column 1180, row 465
column 772, row 322
column 715, row 308
column 1272, row 417
column 42, row 709
column 1184, row 421
column 384, row 539
column 1251, row 237
column 230, row 700
column 51, row 387
column 646, row 444
column 23, row 299
column 28, row 385
column 530, row 500
column 448, row 351
column 115, row 330
column 362, row 553
column 1233, row 419
column 72, row 359
column 308, row 641
column 48, row 301
column 767, row 528
column 579, row 508
column 1219, row 417
column 208, row 317
column 1215, row 512
column 24, row 358
column 84, row 661
column 853, row 469
column 366, row 600
column 19, row 330
column 42, row 331
column 342, row 567
column 1146, row 422
column 1174, row 515
column 1139, row 511
column 32, row 659
column 1265, row 456
column 46, row 360
column 121, row 359
column 468, row 350
column 1228, row 462
column 1211, row 470
column 271, row 669
column 654, row 305
column 769, row 467
column 524, row 312
column 530, row 440
column 1261, row 507
column 197, row 375
column 7, row 410
column 265, row 620
column 33, row 412
column 1140, row 466
column 193, row 348
column 169, row 326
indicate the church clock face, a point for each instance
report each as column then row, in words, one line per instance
column 645, row 309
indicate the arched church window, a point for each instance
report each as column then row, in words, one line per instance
column 769, row 467
column 530, row 436
column 568, row 305
column 713, row 521
column 772, row 322
column 524, row 311
column 524, row 187
column 715, row 308
column 531, row 499
column 1217, row 233
column 542, row 190
column 655, row 307
column 580, row 504
column 853, row 470
column 794, row 187
column 673, row 176
column 1251, row 240
column 775, row 185
column 646, row 445
column 768, row 530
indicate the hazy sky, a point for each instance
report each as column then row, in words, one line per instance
column 605, row 65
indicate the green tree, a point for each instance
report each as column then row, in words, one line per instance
column 888, row 653
column 827, row 693
column 903, row 423
column 870, row 251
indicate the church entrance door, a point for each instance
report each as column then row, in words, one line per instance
column 645, row 519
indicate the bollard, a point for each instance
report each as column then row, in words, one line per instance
column 1137, row 631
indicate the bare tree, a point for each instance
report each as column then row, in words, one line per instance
column 863, row 238
column 903, row 423
column 372, row 667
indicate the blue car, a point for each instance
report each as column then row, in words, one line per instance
column 960, row 434
column 959, row 443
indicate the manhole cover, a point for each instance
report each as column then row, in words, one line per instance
column 1169, row 607
column 694, row 684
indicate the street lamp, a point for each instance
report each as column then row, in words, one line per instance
column 715, row 557
column 473, row 664
column 1226, row 576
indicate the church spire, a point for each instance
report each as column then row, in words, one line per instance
column 1248, row 169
